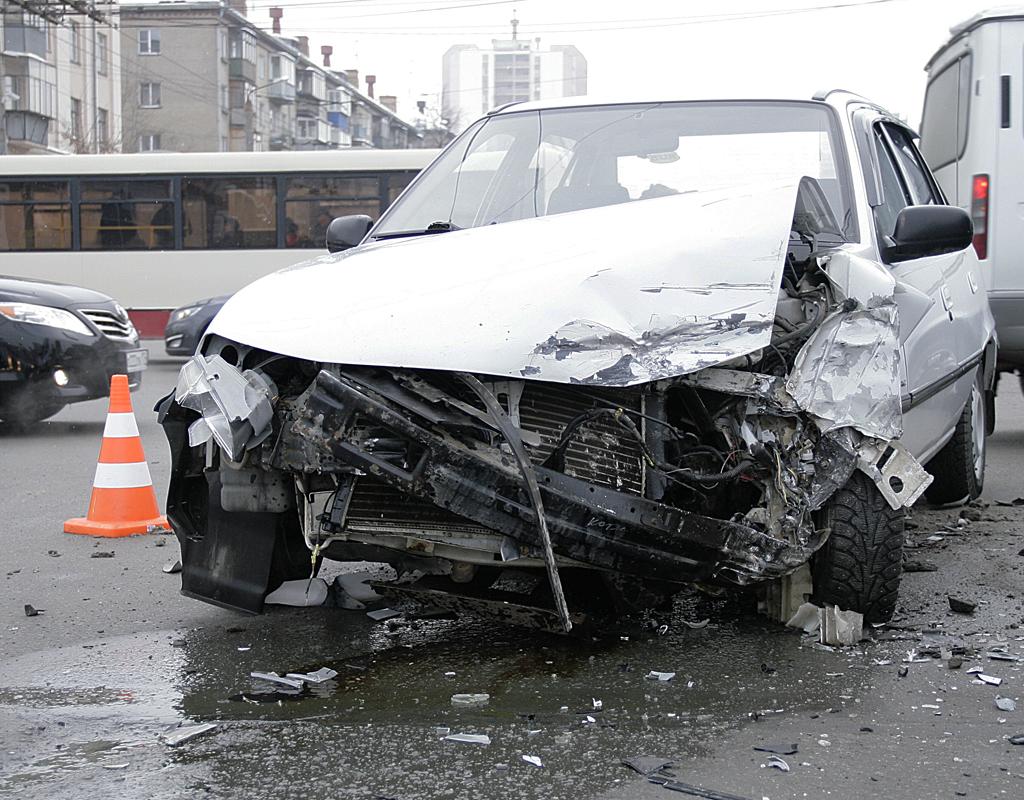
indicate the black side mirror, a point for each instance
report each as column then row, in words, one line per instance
column 346, row 232
column 930, row 231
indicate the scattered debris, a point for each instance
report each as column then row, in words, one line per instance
column 122, row 765
column 172, row 567
column 273, row 677
column 1017, row 501
column 807, row 617
column 178, row 736
column 660, row 676
column 303, row 593
column 535, row 760
column 1018, row 739
column 469, row 738
column 382, row 614
column 646, row 765
column 695, row 791
column 778, row 749
column 919, row 566
column 989, row 679
column 695, row 626
column 470, row 700
column 778, row 763
column 961, row 606
column 102, row 554
column 322, row 675
column 1005, row 704
column 442, row 730
column 999, row 655
column 839, row 627
column 32, row 611
column 353, row 585
column 53, row 553
column 767, row 669
column 598, row 704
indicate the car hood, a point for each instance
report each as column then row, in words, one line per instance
column 612, row 296
column 58, row 295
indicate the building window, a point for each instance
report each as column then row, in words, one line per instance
column 102, row 53
column 243, row 46
column 102, row 126
column 149, row 94
column 76, row 43
column 76, row 119
column 149, row 142
column 149, row 42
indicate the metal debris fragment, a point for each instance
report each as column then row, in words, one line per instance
column 694, row 791
column 321, row 675
column 470, row 700
column 660, row 676
column 535, row 760
column 383, row 613
column 989, row 679
column 273, row 677
column 646, row 765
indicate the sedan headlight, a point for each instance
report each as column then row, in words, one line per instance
column 183, row 313
column 45, row 315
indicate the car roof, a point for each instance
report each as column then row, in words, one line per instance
column 834, row 97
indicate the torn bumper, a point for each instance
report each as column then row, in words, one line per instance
column 589, row 524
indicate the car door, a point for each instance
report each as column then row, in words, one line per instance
column 939, row 299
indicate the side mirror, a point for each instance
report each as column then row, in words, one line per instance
column 930, row 231
column 345, row 233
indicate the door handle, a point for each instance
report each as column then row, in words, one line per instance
column 947, row 298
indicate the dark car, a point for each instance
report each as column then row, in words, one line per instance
column 60, row 344
column 187, row 324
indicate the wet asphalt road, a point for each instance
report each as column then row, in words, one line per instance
column 118, row 657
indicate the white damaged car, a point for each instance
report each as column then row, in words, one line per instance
column 627, row 346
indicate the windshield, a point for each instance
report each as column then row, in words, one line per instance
column 525, row 164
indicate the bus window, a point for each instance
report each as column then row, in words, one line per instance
column 313, row 201
column 224, row 213
column 127, row 215
column 397, row 181
column 35, row 215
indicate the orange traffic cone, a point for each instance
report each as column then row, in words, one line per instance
column 123, row 501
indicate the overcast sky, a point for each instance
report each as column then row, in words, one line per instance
column 662, row 48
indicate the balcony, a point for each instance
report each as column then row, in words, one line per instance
column 34, row 95
column 281, row 91
column 242, row 69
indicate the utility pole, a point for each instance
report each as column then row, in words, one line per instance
column 95, row 94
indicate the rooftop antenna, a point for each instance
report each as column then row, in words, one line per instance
column 515, row 24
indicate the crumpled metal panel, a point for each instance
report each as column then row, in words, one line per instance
column 611, row 296
column 848, row 372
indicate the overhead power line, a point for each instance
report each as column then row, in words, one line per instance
column 56, row 10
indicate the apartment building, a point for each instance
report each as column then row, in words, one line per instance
column 476, row 79
column 201, row 76
column 60, row 84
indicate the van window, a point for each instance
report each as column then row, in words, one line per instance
column 921, row 190
column 895, row 197
column 946, row 112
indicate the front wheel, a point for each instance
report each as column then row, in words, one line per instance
column 859, row 566
column 959, row 467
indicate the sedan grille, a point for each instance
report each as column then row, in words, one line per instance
column 111, row 324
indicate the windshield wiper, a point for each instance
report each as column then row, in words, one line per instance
column 433, row 227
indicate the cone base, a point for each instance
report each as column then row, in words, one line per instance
column 113, row 530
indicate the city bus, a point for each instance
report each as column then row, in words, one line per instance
column 159, row 230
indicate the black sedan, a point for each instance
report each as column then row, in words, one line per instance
column 187, row 325
column 61, row 344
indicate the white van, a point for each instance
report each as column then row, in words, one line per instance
column 972, row 135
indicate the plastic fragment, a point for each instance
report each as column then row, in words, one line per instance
column 32, row 611
column 181, row 735
column 1005, row 704
column 646, row 765
column 304, row 593
column 382, row 614
column 273, row 677
column 778, row 763
column 598, row 704
column 1019, row 739
column 535, row 760
column 961, row 606
column 989, row 679
column 660, row 676
column 806, row 618
column 470, row 700
column 838, row 627
column 696, row 626
column 998, row 655
column 322, row 675
column 469, row 738
column 123, row 765
column 777, row 749
column 172, row 567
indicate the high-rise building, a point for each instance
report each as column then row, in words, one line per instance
column 60, row 81
column 476, row 79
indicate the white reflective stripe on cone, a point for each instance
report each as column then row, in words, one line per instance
column 120, row 426
column 122, row 476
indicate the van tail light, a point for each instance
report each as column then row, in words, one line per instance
column 979, row 214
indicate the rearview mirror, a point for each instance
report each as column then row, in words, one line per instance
column 345, row 233
column 929, row 231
